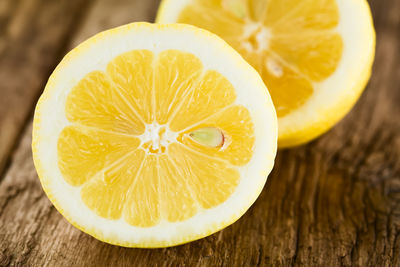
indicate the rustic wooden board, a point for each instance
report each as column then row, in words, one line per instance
column 33, row 35
column 333, row 202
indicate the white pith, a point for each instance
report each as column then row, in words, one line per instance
column 157, row 140
column 95, row 54
column 261, row 35
column 356, row 29
column 159, row 136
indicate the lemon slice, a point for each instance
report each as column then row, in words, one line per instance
column 315, row 56
column 153, row 135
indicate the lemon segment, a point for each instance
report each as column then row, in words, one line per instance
column 212, row 182
column 177, row 74
column 132, row 74
column 106, row 193
column 143, row 202
column 83, row 152
column 96, row 102
column 198, row 105
column 178, row 201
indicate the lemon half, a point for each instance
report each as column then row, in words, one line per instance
column 153, row 135
column 315, row 56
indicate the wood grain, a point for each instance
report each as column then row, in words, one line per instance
column 333, row 202
column 33, row 33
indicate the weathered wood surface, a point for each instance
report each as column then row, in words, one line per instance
column 333, row 202
column 33, row 36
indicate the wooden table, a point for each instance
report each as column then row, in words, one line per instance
column 333, row 202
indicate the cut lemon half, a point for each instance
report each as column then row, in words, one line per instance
column 154, row 135
column 315, row 56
